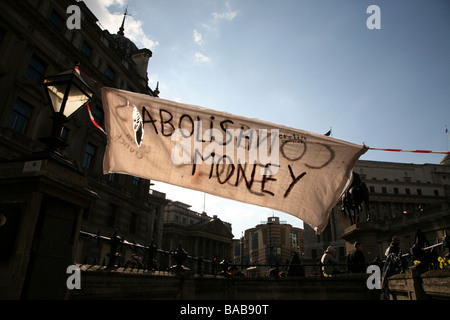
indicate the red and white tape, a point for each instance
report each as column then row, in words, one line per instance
column 414, row 151
column 93, row 120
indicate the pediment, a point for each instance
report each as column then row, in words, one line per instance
column 216, row 227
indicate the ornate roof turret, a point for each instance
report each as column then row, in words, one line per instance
column 125, row 45
column 122, row 27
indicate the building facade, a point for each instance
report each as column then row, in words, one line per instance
column 269, row 243
column 197, row 233
column 35, row 42
column 403, row 198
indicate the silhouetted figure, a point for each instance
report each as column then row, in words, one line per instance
column 295, row 267
column 354, row 197
column 355, row 261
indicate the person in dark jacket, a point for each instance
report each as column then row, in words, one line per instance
column 358, row 262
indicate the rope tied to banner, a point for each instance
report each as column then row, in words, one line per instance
column 93, row 119
column 414, row 151
column 87, row 104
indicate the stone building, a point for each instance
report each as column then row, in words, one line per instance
column 35, row 42
column 197, row 233
column 403, row 198
column 269, row 243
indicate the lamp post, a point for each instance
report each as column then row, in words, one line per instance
column 67, row 92
column 43, row 194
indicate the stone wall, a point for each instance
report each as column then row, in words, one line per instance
column 100, row 283
column 415, row 284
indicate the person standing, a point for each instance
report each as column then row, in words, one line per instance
column 330, row 264
column 357, row 263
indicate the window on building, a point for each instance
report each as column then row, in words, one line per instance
column 155, row 227
column 86, row 213
column 408, row 191
column 436, row 193
column 112, row 177
column 396, row 190
column 237, row 249
column 110, row 73
column 383, row 190
column 65, row 134
column 294, row 240
column 419, row 192
column 255, row 240
column 372, row 189
column 56, row 19
column 274, row 255
column 86, row 49
column 99, row 115
column 35, row 70
column 327, row 234
column 111, row 218
column 133, row 223
column 20, row 116
column 89, row 156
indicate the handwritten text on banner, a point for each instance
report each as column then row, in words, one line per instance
column 248, row 160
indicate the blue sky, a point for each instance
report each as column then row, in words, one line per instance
column 307, row 64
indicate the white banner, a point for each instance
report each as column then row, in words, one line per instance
column 248, row 160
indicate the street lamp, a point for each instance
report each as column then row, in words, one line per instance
column 67, row 92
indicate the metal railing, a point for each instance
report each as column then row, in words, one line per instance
column 180, row 260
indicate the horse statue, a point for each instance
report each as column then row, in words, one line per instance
column 354, row 197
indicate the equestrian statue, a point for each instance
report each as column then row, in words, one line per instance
column 354, row 197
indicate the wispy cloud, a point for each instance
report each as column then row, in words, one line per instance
column 198, row 39
column 201, row 58
column 211, row 28
column 229, row 15
column 134, row 31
